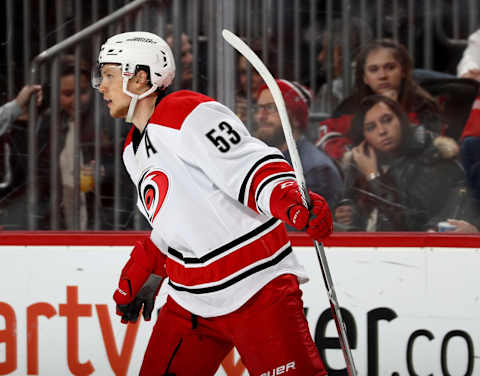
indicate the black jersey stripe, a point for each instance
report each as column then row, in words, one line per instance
column 243, row 187
column 266, row 181
column 224, row 248
column 237, row 278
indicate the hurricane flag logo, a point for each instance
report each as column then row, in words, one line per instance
column 152, row 189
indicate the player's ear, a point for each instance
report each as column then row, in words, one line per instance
column 141, row 78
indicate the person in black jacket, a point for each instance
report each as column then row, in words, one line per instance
column 397, row 177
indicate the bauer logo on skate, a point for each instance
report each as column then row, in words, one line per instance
column 152, row 190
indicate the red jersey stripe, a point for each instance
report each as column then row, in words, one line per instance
column 259, row 249
column 260, row 175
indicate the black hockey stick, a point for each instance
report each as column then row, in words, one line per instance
column 257, row 63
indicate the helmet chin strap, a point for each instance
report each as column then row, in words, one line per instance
column 135, row 98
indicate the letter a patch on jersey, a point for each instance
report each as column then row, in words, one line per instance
column 152, row 190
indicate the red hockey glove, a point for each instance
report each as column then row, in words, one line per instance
column 141, row 278
column 320, row 224
column 286, row 204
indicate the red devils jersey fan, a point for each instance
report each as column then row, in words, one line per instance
column 215, row 198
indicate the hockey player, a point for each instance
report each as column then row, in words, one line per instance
column 215, row 198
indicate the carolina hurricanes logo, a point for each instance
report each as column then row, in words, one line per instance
column 152, row 189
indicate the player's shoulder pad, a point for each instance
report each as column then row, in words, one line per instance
column 174, row 108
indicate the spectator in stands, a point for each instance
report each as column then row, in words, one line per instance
column 359, row 33
column 383, row 67
column 397, row 177
column 470, row 149
column 185, row 65
column 469, row 65
column 18, row 107
column 66, row 155
column 13, row 158
column 467, row 210
column 248, row 79
column 186, row 57
column 321, row 174
column 462, row 211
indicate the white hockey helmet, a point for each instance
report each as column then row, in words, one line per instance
column 133, row 51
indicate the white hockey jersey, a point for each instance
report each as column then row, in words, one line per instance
column 204, row 185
